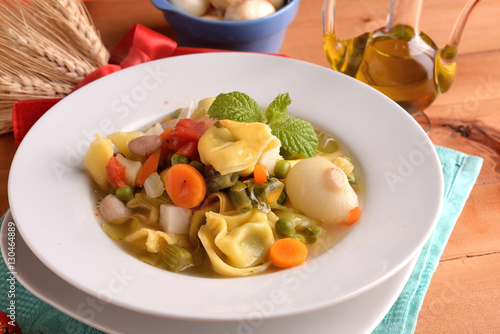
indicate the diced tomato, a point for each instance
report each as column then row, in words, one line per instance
column 190, row 150
column 116, row 173
column 186, row 130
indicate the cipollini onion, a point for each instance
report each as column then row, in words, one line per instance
column 320, row 190
column 193, row 7
column 241, row 10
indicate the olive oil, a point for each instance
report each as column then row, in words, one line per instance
column 407, row 67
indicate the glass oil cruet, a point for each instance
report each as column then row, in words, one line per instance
column 398, row 60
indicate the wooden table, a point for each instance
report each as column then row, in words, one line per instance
column 464, row 295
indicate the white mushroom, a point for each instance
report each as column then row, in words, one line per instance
column 241, row 10
column 193, row 7
column 277, row 3
column 221, row 4
column 321, row 190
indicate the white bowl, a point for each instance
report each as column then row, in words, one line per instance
column 51, row 197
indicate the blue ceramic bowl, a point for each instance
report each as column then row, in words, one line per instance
column 260, row 35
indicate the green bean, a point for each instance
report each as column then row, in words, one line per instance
column 284, row 227
column 198, row 165
column 177, row 258
column 281, row 169
column 179, row 159
column 239, row 197
column 258, row 195
column 219, row 182
column 273, row 185
column 124, row 193
column 239, row 186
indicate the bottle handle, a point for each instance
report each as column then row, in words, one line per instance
column 329, row 17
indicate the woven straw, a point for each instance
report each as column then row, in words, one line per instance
column 46, row 48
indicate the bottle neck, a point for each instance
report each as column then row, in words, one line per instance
column 404, row 12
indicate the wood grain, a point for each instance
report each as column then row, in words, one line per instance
column 464, row 295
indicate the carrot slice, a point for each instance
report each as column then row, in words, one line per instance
column 274, row 196
column 164, row 144
column 149, row 167
column 185, row 185
column 354, row 216
column 288, row 252
column 260, row 173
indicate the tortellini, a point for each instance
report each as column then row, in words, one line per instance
column 236, row 147
column 238, row 245
column 153, row 239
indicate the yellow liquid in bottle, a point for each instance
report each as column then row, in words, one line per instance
column 398, row 63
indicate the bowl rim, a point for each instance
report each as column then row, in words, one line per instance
column 358, row 279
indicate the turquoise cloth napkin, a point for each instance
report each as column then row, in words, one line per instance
column 460, row 173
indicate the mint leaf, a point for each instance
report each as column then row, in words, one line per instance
column 237, row 107
column 276, row 111
column 296, row 135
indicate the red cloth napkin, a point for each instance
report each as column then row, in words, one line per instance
column 139, row 45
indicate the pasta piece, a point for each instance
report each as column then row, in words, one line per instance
column 153, row 239
column 96, row 159
column 236, row 147
column 238, row 245
column 149, row 207
column 217, row 202
column 121, row 140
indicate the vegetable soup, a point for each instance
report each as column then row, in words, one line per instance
column 225, row 189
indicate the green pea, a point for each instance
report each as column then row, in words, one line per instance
column 281, row 169
column 314, row 230
column 285, row 227
column 124, row 193
column 355, row 186
column 179, row 159
column 309, row 234
column 299, row 237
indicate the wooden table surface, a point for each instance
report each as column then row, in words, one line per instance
column 464, row 295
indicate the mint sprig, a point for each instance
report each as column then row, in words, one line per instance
column 237, row 107
column 297, row 136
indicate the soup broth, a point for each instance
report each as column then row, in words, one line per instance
column 142, row 232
